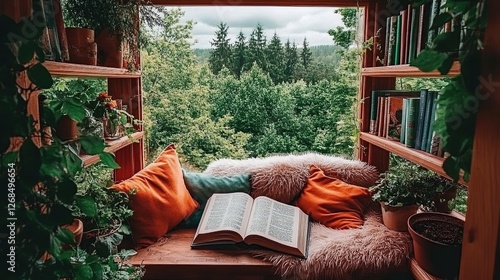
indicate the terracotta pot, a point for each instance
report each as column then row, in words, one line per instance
column 81, row 45
column 439, row 259
column 109, row 49
column 66, row 128
column 396, row 218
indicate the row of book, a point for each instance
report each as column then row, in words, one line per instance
column 408, row 33
column 407, row 117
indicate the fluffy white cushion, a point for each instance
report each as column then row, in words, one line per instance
column 283, row 177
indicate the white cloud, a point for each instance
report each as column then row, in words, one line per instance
column 292, row 23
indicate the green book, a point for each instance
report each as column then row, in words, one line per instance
column 392, row 40
column 403, row 121
column 434, row 12
column 411, row 121
column 431, row 122
column 415, row 15
column 397, row 46
column 427, row 120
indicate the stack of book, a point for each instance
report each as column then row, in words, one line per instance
column 408, row 33
column 407, row 117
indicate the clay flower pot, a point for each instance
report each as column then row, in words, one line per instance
column 396, row 218
column 437, row 242
column 77, row 229
column 66, row 128
column 81, row 46
column 109, row 49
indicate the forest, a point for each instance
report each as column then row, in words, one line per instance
column 250, row 98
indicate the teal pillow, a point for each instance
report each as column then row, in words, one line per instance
column 201, row 187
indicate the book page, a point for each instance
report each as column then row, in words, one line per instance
column 274, row 220
column 228, row 211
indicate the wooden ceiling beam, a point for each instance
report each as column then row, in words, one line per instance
column 290, row 3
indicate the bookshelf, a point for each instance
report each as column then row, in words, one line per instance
column 480, row 249
column 63, row 69
column 113, row 146
column 406, row 71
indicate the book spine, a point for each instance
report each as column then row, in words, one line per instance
column 427, row 120
column 386, row 117
column 44, row 41
column 61, row 30
column 420, row 119
column 387, row 41
column 415, row 16
column 397, row 54
column 50, row 14
column 380, row 116
column 411, row 121
column 434, row 11
column 373, row 112
column 433, row 119
column 392, row 40
column 407, row 34
column 402, row 50
column 403, row 121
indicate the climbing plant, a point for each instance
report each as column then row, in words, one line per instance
column 459, row 100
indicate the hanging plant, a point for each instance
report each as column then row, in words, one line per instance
column 459, row 100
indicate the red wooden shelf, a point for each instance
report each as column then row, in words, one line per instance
column 422, row 158
column 406, row 71
column 113, row 146
column 64, row 69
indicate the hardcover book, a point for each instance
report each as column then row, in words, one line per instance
column 231, row 218
column 424, row 95
column 394, row 117
column 411, row 121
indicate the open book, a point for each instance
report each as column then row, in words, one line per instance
column 230, row 218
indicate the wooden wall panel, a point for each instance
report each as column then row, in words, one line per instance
column 481, row 246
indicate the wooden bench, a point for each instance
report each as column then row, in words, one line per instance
column 173, row 258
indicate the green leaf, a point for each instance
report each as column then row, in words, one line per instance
column 30, row 161
column 74, row 110
column 447, row 42
column 40, row 54
column 66, row 191
column 429, row 60
column 66, row 255
column 10, row 157
column 83, row 272
column 470, row 70
column 60, row 215
column 54, row 246
column 98, row 271
column 451, row 167
column 26, row 52
column 440, row 20
column 87, row 205
column 109, row 160
column 458, row 7
column 40, row 76
column 93, row 145
column 66, row 236
column 446, row 66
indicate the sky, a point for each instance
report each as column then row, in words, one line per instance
column 292, row 23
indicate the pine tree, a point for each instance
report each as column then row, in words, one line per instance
column 291, row 59
column 256, row 48
column 239, row 55
column 221, row 54
column 306, row 54
column 275, row 59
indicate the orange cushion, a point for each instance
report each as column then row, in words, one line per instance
column 161, row 200
column 332, row 202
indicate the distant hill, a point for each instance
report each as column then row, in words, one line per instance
column 202, row 55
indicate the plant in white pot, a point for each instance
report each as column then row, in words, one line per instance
column 400, row 191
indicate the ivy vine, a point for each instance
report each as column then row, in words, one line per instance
column 459, row 100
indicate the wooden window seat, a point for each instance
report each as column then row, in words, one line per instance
column 173, row 258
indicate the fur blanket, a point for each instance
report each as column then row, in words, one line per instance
column 369, row 252
column 283, row 177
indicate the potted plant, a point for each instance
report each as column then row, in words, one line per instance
column 115, row 23
column 442, row 190
column 400, row 191
column 115, row 119
column 437, row 242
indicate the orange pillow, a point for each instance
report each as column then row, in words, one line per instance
column 161, row 201
column 332, row 202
